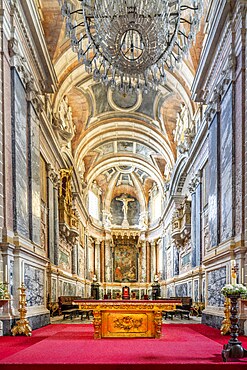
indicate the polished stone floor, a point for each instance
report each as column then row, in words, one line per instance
column 77, row 320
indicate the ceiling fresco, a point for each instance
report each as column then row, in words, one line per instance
column 125, row 143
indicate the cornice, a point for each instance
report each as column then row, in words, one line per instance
column 37, row 44
column 213, row 40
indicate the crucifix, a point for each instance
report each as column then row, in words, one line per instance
column 125, row 200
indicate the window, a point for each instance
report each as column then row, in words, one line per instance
column 93, row 205
column 156, row 207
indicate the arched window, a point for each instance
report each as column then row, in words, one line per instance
column 93, row 205
column 156, row 206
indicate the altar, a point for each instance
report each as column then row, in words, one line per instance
column 127, row 318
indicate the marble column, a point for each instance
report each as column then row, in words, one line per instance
column 34, row 201
column 160, row 258
column 20, row 156
column 50, row 189
column 226, row 166
column 97, row 259
column 164, row 244
column 153, row 259
column 195, row 189
column 108, row 262
column 198, row 224
column 75, row 257
column 148, row 267
column 143, row 258
column 175, row 260
column 56, row 225
column 213, row 205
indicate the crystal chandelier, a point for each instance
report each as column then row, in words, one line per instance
column 129, row 44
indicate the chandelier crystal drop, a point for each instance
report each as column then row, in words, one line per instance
column 129, row 44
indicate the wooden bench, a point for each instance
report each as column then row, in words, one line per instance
column 85, row 313
column 66, row 303
column 72, row 312
column 182, row 311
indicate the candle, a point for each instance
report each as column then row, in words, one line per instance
column 233, row 272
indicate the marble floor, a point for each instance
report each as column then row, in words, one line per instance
column 77, row 320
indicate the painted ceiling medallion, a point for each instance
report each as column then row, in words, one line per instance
column 124, row 102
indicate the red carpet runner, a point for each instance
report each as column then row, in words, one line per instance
column 66, row 346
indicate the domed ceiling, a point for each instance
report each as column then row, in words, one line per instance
column 124, row 143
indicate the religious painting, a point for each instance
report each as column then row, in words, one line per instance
column 125, row 264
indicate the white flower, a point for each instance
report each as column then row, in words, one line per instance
column 234, row 289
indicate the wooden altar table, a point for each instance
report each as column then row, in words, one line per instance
column 127, row 318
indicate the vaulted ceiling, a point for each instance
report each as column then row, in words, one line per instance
column 123, row 142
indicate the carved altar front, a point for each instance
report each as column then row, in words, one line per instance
column 127, row 319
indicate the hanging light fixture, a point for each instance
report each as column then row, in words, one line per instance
column 129, row 44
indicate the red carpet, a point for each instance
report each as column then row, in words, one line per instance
column 62, row 346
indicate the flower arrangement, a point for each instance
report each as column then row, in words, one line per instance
column 234, row 289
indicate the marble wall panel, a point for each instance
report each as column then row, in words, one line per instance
column 20, row 160
column 196, row 290
column 169, row 292
column 203, row 290
column 239, row 149
column 189, row 289
column 213, row 184
column 53, row 290
column 64, row 260
column 7, row 140
column 185, row 260
column 216, row 280
column 198, row 226
column 81, row 262
column 69, row 289
column 169, row 254
column 34, row 178
column 226, row 170
column 34, row 281
column 181, row 290
column 193, row 229
column 175, row 261
column 51, row 221
column 164, row 272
